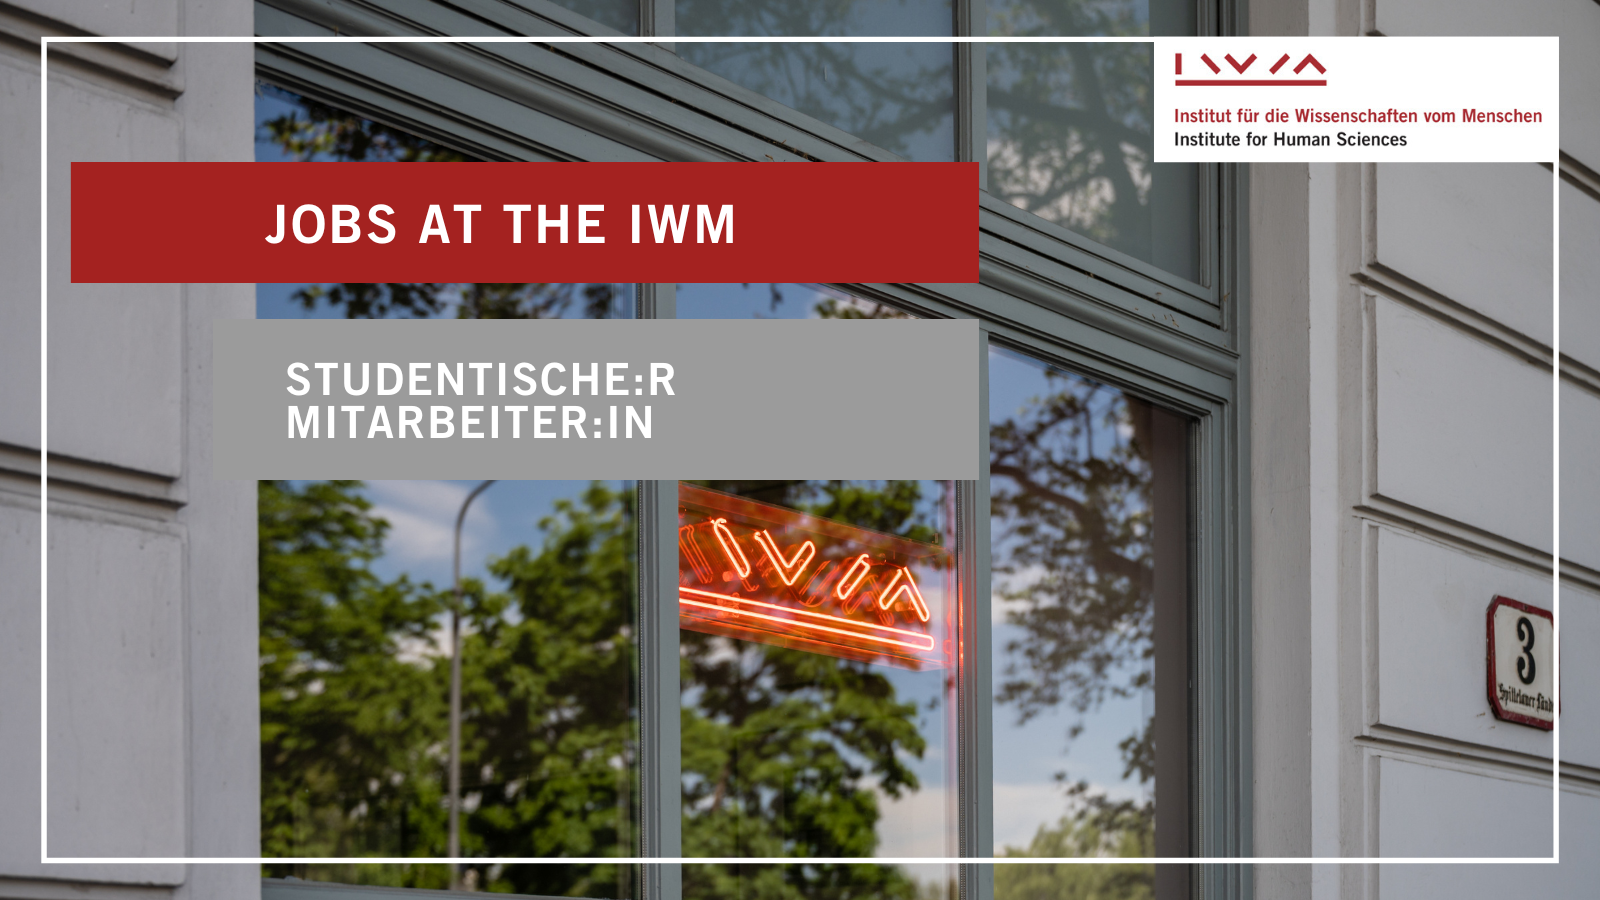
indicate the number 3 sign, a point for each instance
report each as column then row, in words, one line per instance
column 1520, row 683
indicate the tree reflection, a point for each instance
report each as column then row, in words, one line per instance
column 312, row 131
column 900, row 97
column 470, row 301
column 1071, row 501
column 1070, row 127
column 346, row 721
column 786, row 751
column 1080, row 838
column 353, row 687
column 1069, row 124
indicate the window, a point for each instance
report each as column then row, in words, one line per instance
column 356, row 600
column 1070, row 129
column 1089, row 552
column 1094, row 571
column 818, row 710
column 900, row 97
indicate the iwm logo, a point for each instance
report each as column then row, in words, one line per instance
column 1239, row 78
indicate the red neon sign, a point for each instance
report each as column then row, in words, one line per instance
column 766, row 573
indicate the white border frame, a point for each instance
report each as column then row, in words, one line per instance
column 44, row 487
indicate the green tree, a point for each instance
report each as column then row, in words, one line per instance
column 1082, row 837
column 350, row 708
column 893, row 96
column 314, row 131
column 549, row 728
column 782, row 748
column 353, row 696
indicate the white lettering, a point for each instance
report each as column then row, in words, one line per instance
column 665, row 381
column 305, row 385
column 434, row 226
column 296, row 421
column 300, row 235
column 372, row 213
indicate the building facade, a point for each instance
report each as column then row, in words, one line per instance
column 1329, row 389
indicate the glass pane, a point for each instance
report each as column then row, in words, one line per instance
column 623, row 15
column 876, row 696
column 355, row 592
column 1088, row 546
column 1070, row 128
column 818, row 714
column 291, row 128
column 900, row 97
column 777, row 301
column 356, row 596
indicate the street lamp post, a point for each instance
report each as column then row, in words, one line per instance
column 455, row 698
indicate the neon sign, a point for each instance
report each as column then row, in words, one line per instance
column 769, row 574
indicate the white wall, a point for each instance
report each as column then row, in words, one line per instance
column 152, row 675
column 1401, row 382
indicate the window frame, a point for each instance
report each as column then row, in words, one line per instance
column 1042, row 290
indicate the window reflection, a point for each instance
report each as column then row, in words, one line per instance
column 900, row 97
column 778, row 301
column 355, row 593
column 623, row 15
column 294, row 128
column 792, row 750
column 788, row 751
column 1069, row 133
column 1079, row 472
column 354, row 597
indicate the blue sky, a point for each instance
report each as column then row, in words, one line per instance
column 421, row 516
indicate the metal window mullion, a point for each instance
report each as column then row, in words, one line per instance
column 975, row 678
column 660, row 738
column 972, row 109
column 658, row 18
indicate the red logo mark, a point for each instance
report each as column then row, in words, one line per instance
column 1310, row 60
column 1240, row 67
column 764, row 573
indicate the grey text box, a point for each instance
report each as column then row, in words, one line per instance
column 810, row 399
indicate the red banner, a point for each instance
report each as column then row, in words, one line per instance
column 522, row 222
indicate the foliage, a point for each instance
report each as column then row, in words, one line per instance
column 347, row 723
column 354, row 698
column 898, row 97
column 1071, row 504
column 548, row 722
column 777, row 748
column 834, row 308
column 1077, row 515
column 314, row 131
column 1070, row 124
column 534, row 300
column 1085, row 836
column 782, row 749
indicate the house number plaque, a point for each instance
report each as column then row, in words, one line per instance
column 1521, row 640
